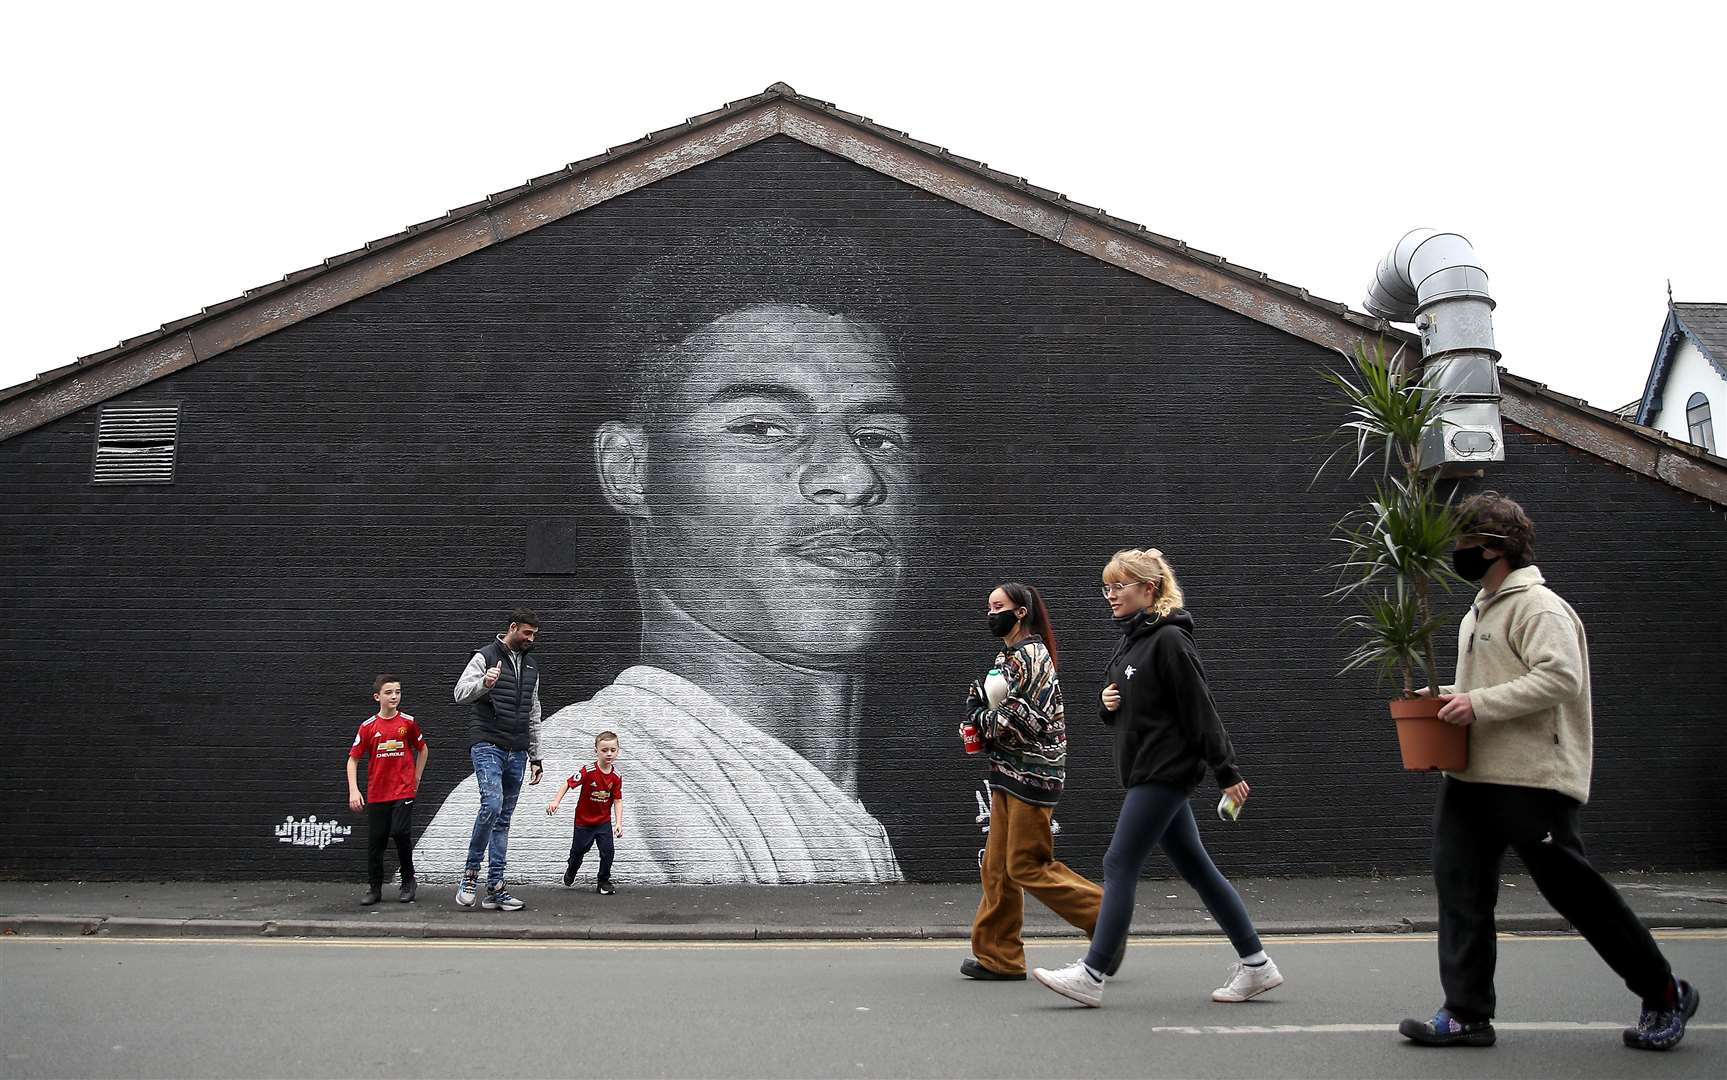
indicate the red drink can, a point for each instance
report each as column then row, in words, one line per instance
column 973, row 738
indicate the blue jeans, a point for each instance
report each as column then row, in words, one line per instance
column 498, row 773
column 1157, row 815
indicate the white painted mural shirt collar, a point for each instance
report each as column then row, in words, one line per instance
column 715, row 776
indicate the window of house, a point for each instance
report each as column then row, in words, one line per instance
column 1698, row 421
column 135, row 443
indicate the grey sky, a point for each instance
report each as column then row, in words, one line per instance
column 167, row 157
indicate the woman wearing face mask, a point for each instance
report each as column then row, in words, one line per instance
column 1025, row 735
column 1167, row 735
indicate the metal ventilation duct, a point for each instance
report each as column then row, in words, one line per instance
column 1431, row 279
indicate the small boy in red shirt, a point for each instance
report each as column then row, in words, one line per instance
column 392, row 777
column 599, row 810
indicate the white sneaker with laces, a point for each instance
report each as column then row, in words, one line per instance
column 1073, row 982
column 1248, row 982
column 466, row 890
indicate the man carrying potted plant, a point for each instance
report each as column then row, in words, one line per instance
column 1523, row 692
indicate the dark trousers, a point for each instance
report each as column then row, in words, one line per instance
column 1157, row 815
column 1473, row 825
column 585, row 837
column 393, row 819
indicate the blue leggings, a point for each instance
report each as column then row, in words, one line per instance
column 1154, row 815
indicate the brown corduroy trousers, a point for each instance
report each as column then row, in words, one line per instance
column 1019, row 858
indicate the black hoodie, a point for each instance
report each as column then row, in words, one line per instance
column 1167, row 729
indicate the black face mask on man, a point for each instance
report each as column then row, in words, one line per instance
column 1472, row 563
column 1001, row 622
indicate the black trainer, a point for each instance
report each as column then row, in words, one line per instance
column 410, row 889
column 373, row 895
column 569, row 874
column 971, row 969
column 604, row 888
column 1446, row 1030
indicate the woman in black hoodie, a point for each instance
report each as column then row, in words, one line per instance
column 1167, row 734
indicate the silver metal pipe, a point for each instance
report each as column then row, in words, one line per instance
column 1432, row 279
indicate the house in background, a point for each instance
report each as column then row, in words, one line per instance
column 1687, row 387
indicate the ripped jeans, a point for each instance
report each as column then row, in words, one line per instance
column 498, row 774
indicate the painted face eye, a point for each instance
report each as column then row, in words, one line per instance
column 759, row 429
column 879, row 441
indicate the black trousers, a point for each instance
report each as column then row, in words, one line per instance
column 586, row 836
column 385, row 821
column 1474, row 824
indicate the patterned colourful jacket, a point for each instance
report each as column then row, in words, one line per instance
column 1026, row 736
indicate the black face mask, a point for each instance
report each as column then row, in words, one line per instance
column 1472, row 563
column 1001, row 623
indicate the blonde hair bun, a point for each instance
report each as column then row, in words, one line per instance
column 1147, row 565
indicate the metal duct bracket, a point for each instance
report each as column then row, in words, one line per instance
column 1431, row 279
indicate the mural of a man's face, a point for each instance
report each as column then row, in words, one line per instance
column 770, row 483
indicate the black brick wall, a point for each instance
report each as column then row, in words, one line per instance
column 185, row 665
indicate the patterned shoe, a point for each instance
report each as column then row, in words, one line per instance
column 498, row 899
column 1661, row 1027
column 1446, row 1030
column 466, row 890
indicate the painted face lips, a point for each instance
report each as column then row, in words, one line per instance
column 857, row 551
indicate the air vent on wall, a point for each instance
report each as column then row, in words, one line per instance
column 135, row 443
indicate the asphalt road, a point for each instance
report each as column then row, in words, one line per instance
column 182, row 1007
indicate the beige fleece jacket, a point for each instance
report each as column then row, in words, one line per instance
column 1523, row 659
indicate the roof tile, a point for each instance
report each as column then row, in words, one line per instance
column 1707, row 324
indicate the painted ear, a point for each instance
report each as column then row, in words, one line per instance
column 621, row 459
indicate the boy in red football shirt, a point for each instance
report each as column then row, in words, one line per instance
column 599, row 810
column 391, row 780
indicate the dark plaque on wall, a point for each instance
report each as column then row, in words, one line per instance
column 551, row 547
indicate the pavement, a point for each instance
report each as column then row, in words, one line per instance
column 778, row 913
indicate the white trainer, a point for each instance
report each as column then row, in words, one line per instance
column 1073, row 982
column 1248, row 982
column 466, row 890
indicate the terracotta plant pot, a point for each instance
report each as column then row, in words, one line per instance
column 1427, row 741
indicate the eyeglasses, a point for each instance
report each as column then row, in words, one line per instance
column 1110, row 588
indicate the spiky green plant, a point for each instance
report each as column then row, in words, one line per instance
column 1397, row 546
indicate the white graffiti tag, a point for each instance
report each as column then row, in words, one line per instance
column 310, row 832
column 982, row 819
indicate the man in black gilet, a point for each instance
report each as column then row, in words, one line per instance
column 501, row 687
